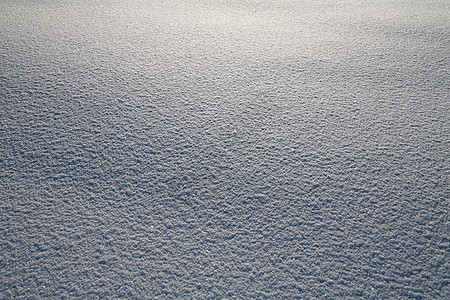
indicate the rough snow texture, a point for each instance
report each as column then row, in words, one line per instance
column 224, row 149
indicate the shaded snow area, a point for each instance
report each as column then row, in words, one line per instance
column 234, row 149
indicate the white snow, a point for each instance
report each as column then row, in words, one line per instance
column 221, row 149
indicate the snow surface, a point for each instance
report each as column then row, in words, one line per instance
column 224, row 149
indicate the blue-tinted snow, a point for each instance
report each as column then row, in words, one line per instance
column 224, row 149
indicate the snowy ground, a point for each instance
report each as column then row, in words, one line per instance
column 224, row 149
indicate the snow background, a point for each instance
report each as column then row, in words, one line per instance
column 224, row 149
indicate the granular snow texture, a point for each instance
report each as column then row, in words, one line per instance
column 224, row 149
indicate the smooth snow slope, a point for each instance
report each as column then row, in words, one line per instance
column 224, row 149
